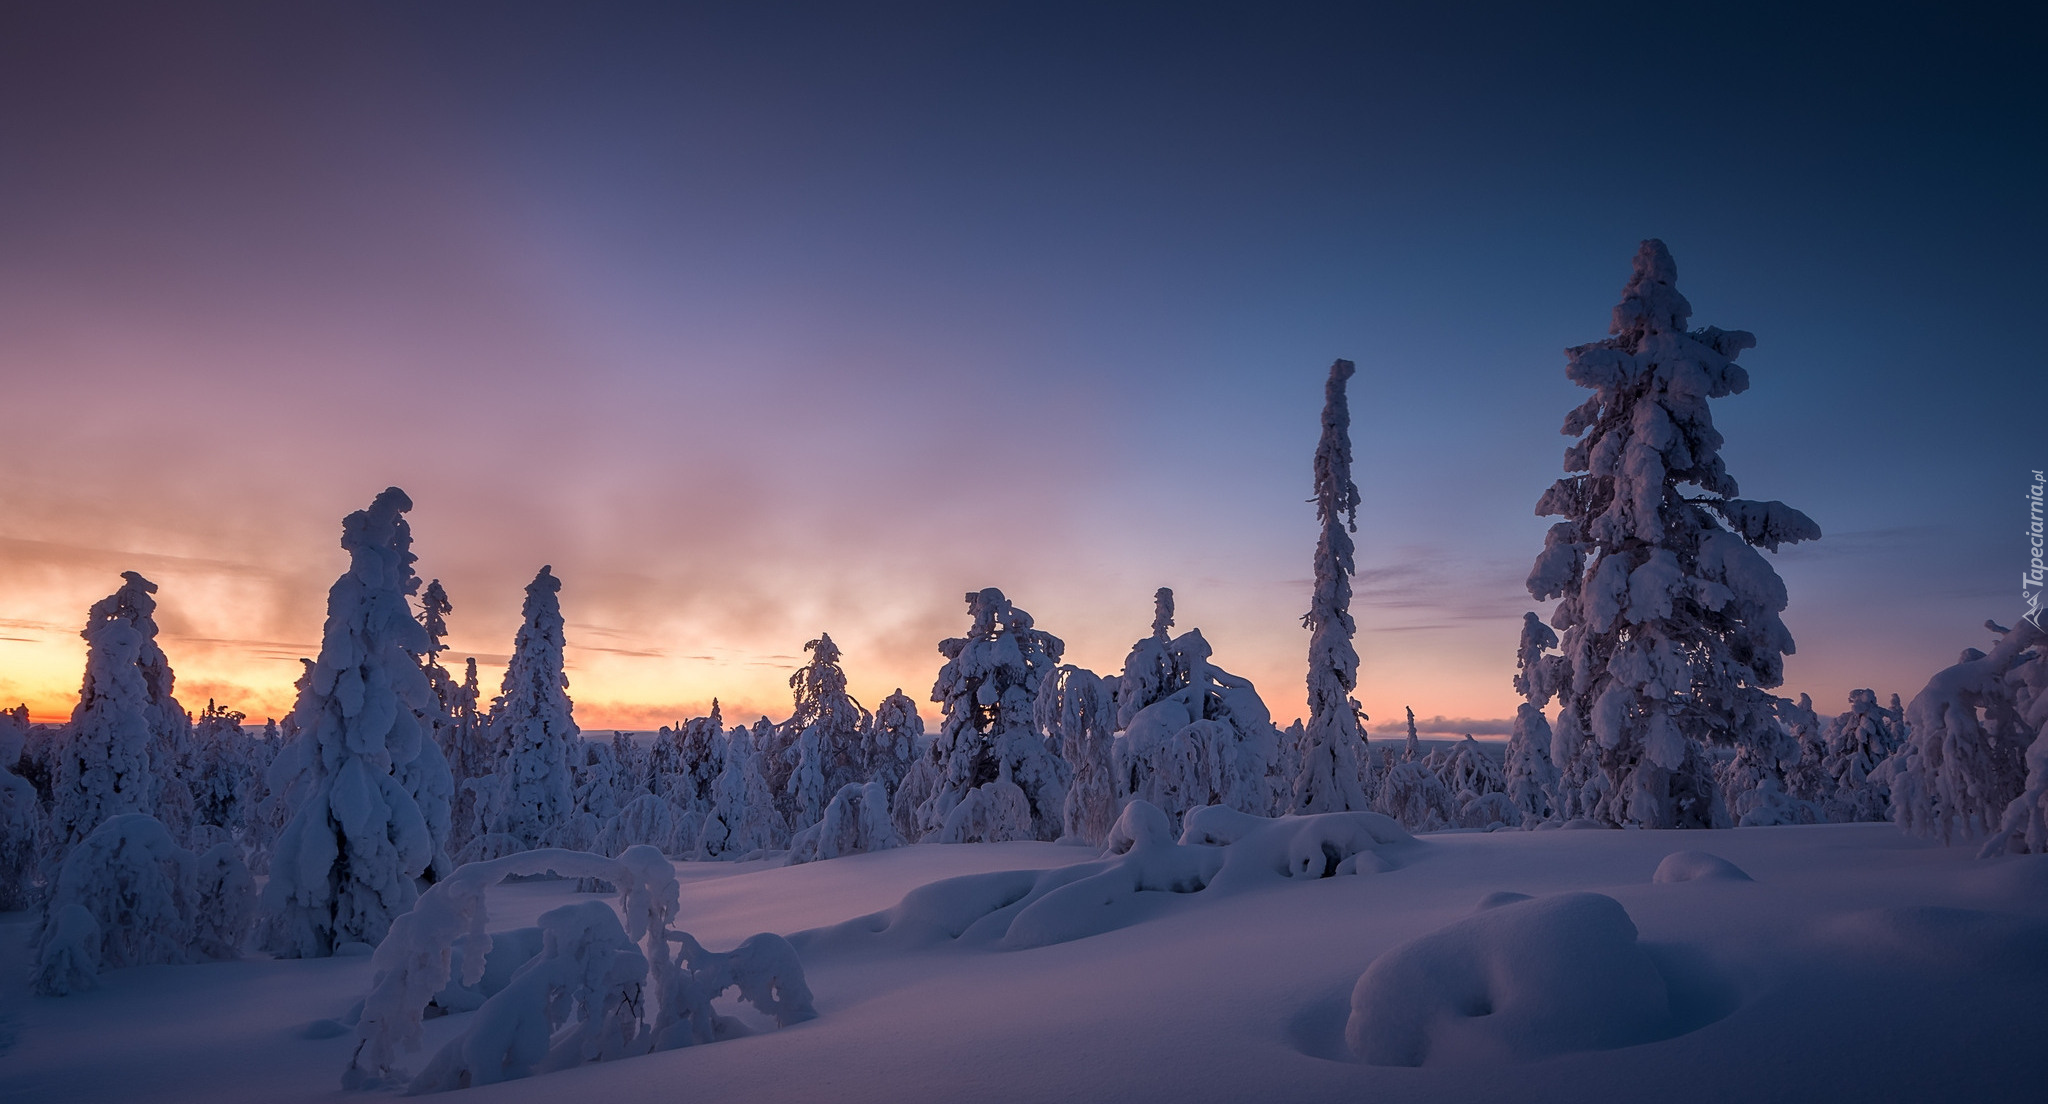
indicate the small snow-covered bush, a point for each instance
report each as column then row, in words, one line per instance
column 150, row 902
column 856, row 820
column 588, row 976
column 651, row 820
column 1517, row 982
column 581, row 999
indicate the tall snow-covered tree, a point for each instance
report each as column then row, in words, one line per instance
column 998, row 780
column 1333, row 749
column 828, row 723
column 1670, row 616
column 349, row 859
column 1530, row 768
column 117, row 755
column 532, row 722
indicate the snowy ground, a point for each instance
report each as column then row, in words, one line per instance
column 1858, row 965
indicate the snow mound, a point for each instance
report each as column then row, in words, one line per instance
column 1697, row 866
column 1517, row 982
column 1221, row 852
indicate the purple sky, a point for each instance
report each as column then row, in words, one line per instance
column 759, row 320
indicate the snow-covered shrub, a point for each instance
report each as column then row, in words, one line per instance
column 649, row 820
column 1075, row 711
column 347, row 861
column 1670, row 621
column 1964, row 765
column 150, row 901
column 1517, row 982
column 588, row 976
column 1468, row 772
column 21, row 819
column 1333, row 748
column 581, row 999
column 532, row 723
column 1414, row 795
column 988, row 740
column 1222, row 851
column 1193, row 733
column 856, row 820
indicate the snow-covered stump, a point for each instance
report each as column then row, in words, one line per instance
column 582, row 999
column 128, row 895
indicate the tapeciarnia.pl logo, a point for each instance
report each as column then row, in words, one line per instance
column 2032, row 579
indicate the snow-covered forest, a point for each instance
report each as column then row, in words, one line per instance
column 503, row 893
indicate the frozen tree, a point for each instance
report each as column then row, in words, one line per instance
column 532, row 723
column 1530, row 771
column 348, row 860
column 148, row 900
column 987, row 740
column 1858, row 742
column 125, row 717
column 892, row 739
column 597, row 795
column 1963, row 770
column 698, row 758
column 828, row 723
column 1193, row 733
column 908, row 807
column 1806, row 778
column 21, row 819
column 742, row 818
column 1333, row 747
column 1076, row 711
column 1468, row 772
column 1670, row 616
column 633, row 762
column 855, row 820
column 470, row 753
column 1413, row 794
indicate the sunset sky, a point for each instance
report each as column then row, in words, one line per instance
column 757, row 320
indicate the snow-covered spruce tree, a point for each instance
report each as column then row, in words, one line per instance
column 533, row 725
column 892, row 739
column 348, row 860
column 1671, row 634
column 1334, row 749
column 470, row 753
column 21, row 819
column 222, row 761
column 699, row 747
column 828, row 723
column 1193, row 733
column 1531, row 774
column 1962, row 772
column 742, row 818
column 997, row 779
column 1858, row 742
column 126, row 726
column 1076, row 712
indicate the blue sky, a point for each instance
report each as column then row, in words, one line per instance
column 760, row 320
